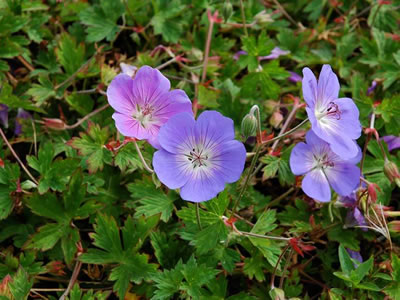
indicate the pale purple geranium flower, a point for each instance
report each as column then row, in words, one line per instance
column 145, row 103
column 275, row 53
column 333, row 119
column 4, row 115
column 199, row 157
column 323, row 168
column 356, row 256
column 21, row 115
column 354, row 216
column 393, row 142
column 373, row 86
column 294, row 77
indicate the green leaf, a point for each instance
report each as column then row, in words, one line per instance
column 210, row 236
column 265, row 223
column 166, row 20
column 12, row 101
column 68, row 244
column 70, row 54
column 207, row 97
column 153, row 201
column 362, row 270
column 43, row 91
column 47, row 236
column 91, row 146
column 74, row 197
column 47, row 206
column 21, row 285
column 345, row 260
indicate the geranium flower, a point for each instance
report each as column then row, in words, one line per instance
column 4, row 115
column 22, row 114
column 323, row 169
column 354, row 216
column 392, row 142
column 294, row 77
column 275, row 53
column 145, row 103
column 333, row 119
column 199, row 157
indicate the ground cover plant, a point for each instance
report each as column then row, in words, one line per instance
column 175, row 149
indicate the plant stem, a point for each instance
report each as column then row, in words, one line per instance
column 207, row 49
column 287, row 132
column 198, row 216
column 17, row 157
column 243, row 18
column 167, row 63
column 254, row 109
column 268, row 237
column 72, row 281
column 88, row 116
column 145, row 165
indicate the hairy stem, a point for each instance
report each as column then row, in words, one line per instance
column 17, row 157
column 73, row 279
column 145, row 165
column 88, row 116
column 198, row 216
column 243, row 18
column 207, row 49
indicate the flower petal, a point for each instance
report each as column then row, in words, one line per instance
column 119, row 94
column 230, row 160
column 310, row 87
column 177, row 135
column 393, row 142
column 171, row 103
column 128, row 126
column 328, row 85
column 149, row 84
column 316, row 186
column 170, row 169
column 212, row 128
column 349, row 118
column 301, row 159
column 343, row 177
column 204, row 185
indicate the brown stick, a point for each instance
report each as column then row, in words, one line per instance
column 72, row 281
column 17, row 157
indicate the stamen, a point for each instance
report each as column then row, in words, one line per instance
column 197, row 158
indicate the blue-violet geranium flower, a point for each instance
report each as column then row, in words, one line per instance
column 199, row 157
column 323, row 168
column 143, row 104
column 333, row 119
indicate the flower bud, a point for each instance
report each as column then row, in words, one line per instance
column 56, row 124
column 392, row 172
column 227, row 10
column 394, row 226
column 276, row 119
column 249, row 126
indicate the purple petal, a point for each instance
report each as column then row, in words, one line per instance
column 148, row 85
column 275, row 53
column 343, row 177
column 128, row 126
column 22, row 114
column 328, row 85
column 359, row 218
column 128, row 69
column 373, row 86
column 349, row 118
column 230, row 160
column 393, row 142
column 331, row 131
column 237, row 54
column 169, row 169
column 202, row 186
column 355, row 255
column 316, row 186
column 349, row 200
column 213, row 128
column 119, row 94
column 301, row 159
column 170, row 104
column 310, row 87
column 177, row 133
column 4, row 115
column 294, row 77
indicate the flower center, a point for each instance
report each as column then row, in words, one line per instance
column 331, row 110
column 323, row 162
column 197, row 157
column 143, row 115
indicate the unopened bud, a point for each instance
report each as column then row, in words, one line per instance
column 392, row 172
column 263, row 17
column 394, row 226
column 277, row 294
column 56, row 124
column 373, row 195
column 227, row 10
column 249, row 125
